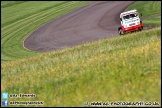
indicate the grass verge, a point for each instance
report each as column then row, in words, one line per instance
column 147, row 8
column 153, row 21
column 126, row 68
column 19, row 19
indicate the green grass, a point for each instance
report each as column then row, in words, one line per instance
column 147, row 8
column 125, row 68
column 10, row 3
column 153, row 21
column 19, row 19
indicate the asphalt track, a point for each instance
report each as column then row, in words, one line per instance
column 100, row 19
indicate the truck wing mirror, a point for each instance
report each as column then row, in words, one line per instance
column 120, row 19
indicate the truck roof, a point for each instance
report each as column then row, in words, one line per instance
column 128, row 12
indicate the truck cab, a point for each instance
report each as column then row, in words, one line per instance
column 130, row 22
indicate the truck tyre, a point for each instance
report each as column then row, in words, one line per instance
column 120, row 31
column 141, row 24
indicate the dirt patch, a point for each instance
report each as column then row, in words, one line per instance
column 151, row 16
column 146, row 27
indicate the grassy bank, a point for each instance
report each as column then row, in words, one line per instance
column 19, row 19
column 126, row 68
column 147, row 8
column 153, row 21
column 121, row 69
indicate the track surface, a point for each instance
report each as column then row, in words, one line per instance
column 100, row 19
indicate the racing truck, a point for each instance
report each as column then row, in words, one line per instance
column 130, row 22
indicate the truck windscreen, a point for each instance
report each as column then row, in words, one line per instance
column 129, row 16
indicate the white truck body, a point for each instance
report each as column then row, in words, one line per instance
column 130, row 22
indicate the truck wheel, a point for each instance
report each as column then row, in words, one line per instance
column 120, row 31
column 141, row 24
column 140, row 29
